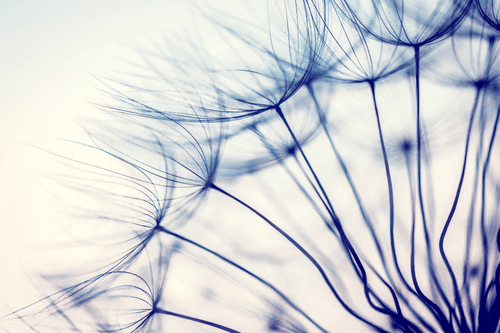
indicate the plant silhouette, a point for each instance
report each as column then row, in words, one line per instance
column 300, row 166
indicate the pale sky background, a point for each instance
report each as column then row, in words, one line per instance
column 48, row 51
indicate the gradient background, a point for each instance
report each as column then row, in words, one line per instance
column 48, row 53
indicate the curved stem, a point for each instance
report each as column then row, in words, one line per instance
column 470, row 224
column 344, row 239
column 483, row 294
column 366, row 219
column 241, row 268
column 347, row 175
column 412, row 238
column 197, row 320
column 305, row 253
column 458, row 300
column 355, row 260
column 389, row 182
column 436, row 310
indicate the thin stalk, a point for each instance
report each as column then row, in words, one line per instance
column 484, row 234
column 389, row 180
column 361, row 206
column 328, row 225
column 419, row 150
column 356, row 262
column 347, row 175
column 412, row 236
column 305, row 253
column 458, row 300
column 436, row 310
column 345, row 241
column 439, row 315
column 297, row 182
column 241, row 268
column 470, row 223
column 197, row 320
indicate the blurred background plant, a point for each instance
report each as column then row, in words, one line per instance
column 294, row 166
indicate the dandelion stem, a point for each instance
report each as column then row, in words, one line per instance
column 435, row 309
column 305, row 253
column 484, row 234
column 349, row 179
column 357, row 264
column 458, row 300
column 344, row 239
column 466, row 272
column 197, row 320
column 241, row 268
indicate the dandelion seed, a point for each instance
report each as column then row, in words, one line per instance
column 381, row 199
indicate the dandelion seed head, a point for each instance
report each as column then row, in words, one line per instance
column 321, row 166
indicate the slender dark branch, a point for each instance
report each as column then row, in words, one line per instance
column 484, row 234
column 243, row 269
column 347, row 174
column 306, row 254
column 458, row 301
column 445, row 324
column 197, row 320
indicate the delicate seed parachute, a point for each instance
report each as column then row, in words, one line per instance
column 304, row 166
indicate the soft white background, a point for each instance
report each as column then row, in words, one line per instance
column 48, row 51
